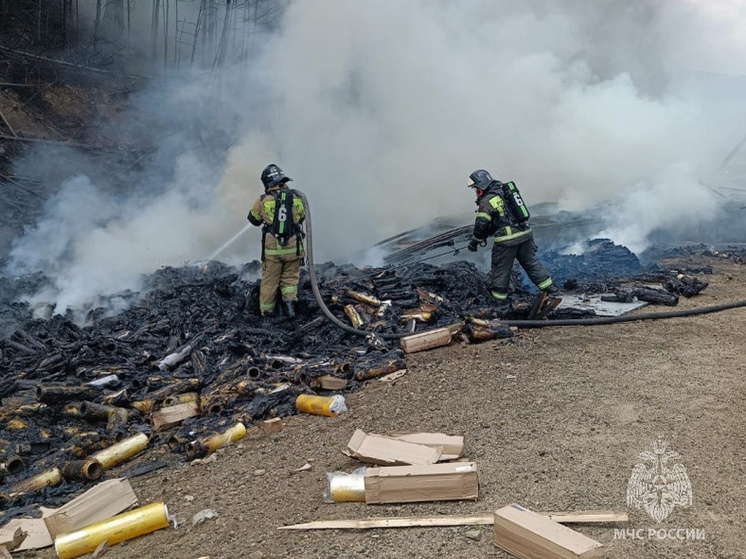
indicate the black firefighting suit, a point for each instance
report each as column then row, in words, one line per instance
column 512, row 240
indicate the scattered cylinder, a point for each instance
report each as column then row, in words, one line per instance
column 81, row 470
column 12, row 466
column 210, row 444
column 113, row 414
column 342, row 487
column 116, row 529
column 61, row 394
column 143, row 406
column 50, row 478
column 121, row 451
column 373, row 368
column 184, row 398
column 330, row 406
column 353, row 316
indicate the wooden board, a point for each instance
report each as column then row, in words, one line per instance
column 426, row 340
column 272, row 426
column 173, row 415
column 483, row 519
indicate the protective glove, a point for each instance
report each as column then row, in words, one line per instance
column 473, row 244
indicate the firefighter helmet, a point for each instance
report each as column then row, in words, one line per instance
column 480, row 179
column 273, row 175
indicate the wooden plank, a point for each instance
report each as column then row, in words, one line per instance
column 272, row 426
column 484, row 519
column 328, row 382
column 426, row 340
column 395, row 522
column 173, row 415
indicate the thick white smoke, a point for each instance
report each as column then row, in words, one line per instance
column 380, row 110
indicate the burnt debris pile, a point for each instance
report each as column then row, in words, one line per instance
column 190, row 362
column 619, row 275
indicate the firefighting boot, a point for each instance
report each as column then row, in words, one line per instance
column 289, row 308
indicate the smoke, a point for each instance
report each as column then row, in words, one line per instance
column 379, row 111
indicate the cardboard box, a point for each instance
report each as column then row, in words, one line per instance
column 376, row 449
column 411, row 484
column 100, row 502
column 452, row 445
column 529, row 535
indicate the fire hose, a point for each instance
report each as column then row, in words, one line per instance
column 376, row 337
column 371, row 336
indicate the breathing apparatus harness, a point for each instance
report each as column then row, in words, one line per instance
column 283, row 227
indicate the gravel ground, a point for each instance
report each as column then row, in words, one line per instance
column 555, row 420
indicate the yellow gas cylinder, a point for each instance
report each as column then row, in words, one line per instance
column 330, row 406
column 116, row 529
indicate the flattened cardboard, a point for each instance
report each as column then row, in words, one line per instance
column 376, row 449
column 100, row 502
column 37, row 535
column 411, row 484
column 528, row 535
column 452, row 445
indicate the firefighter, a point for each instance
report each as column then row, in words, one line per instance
column 280, row 213
column 501, row 212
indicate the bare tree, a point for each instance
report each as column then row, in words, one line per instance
column 224, row 35
column 97, row 24
column 154, row 27
column 114, row 18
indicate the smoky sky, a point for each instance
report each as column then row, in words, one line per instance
column 379, row 111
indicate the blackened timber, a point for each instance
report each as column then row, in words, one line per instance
column 57, row 394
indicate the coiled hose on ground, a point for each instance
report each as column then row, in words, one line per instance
column 519, row 323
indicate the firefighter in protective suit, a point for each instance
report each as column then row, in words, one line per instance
column 498, row 214
column 280, row 213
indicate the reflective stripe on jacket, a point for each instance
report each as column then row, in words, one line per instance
column 493, row 218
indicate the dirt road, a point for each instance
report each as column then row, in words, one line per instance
column 555, row 421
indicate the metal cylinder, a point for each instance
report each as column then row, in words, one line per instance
column 121, row 451
column 61, row 394
column 49, row 478
column 12, row 465
column 143, row 406
column 184, row 398
column 80, row 470
column 346, row 488
column 116, row 529
column 330, row 406
column 210, row 444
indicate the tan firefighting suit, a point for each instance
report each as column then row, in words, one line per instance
column 280, row 264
